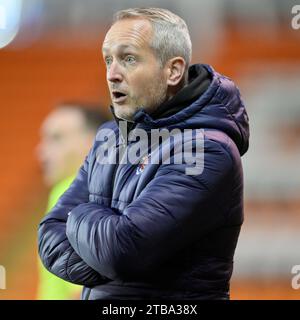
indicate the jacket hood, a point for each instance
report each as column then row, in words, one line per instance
column 219, row 107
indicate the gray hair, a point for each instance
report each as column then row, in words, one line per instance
column 171, row 36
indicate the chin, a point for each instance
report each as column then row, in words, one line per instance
column 49, row 181
column 124, row 112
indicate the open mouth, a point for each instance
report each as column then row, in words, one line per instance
column 118, row 96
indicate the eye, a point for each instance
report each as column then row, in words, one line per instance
column 108, row 61
column 130, row 59
column 56, row 137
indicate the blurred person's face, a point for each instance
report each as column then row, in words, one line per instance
column 135, row 77
column 64, row 144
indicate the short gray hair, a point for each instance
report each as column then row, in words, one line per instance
column 171, row 36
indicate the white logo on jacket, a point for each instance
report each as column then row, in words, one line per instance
column 142, row 164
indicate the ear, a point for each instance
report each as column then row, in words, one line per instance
column 175, row 71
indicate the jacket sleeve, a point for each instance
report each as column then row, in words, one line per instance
column 173, row 210
column 55, row 250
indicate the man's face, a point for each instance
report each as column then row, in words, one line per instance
column 64, row 144
column 135, row 77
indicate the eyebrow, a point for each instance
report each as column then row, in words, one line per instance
column 121, row 47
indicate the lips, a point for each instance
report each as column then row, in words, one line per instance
column 118, row 96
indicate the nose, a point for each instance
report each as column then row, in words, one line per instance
column 114, row 73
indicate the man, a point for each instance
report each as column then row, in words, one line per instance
column 66, row 137
column 148, row 230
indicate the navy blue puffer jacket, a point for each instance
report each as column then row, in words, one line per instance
column 126, row 231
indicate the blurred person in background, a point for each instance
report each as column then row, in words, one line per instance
column 67, row 134
column 146, row 230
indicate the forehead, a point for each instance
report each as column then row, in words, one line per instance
column 62, row 120
column 135, row 33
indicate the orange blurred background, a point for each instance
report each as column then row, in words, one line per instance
column 60, row 65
